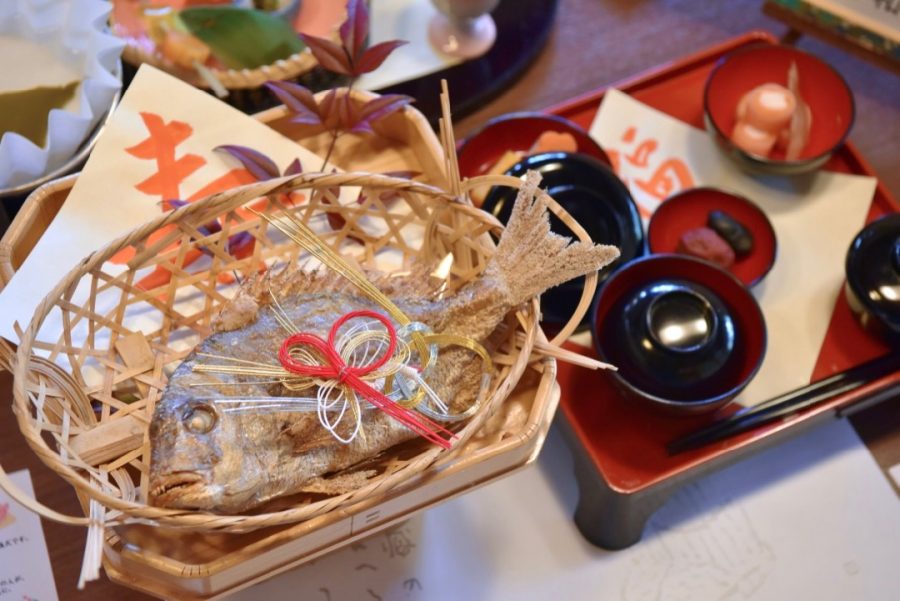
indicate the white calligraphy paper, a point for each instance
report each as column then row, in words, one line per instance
column 25, row 573
column 815, row 217
column 158, row 146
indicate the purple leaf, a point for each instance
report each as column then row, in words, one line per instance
column 295, row 168
column 240, row 245
column 208, row 229
column 402, row 174
column 383, row 106
column 355, row 29
column 258, row 164
column 372, row 58
column 362, row 127
column 327, row 110
column 173, row 203
column 331, row 56
column 298, row 99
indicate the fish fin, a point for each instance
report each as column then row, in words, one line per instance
column 338, row 484
column 530, row 258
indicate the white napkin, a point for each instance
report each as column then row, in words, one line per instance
column 815, row 217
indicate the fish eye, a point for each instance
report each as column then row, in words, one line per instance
column 199, row 419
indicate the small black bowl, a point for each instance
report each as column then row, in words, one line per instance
column 686, row 336
column 873, row 277
column 596, row 199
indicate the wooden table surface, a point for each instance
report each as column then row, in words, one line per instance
column 594, row 43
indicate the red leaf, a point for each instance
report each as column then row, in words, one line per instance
column 298, row 99
column 240, row 245
column 258, row 164
column 376, row 109
column 331, row 56
column 328, row 111
column 362, row 127
column 295, row 168
column 346, row 114
column 355, row 29
column 383, row 106
column 372, row 58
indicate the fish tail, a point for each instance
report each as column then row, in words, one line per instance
column 530, row 258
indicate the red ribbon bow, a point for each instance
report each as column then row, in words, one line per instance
column 334, row 368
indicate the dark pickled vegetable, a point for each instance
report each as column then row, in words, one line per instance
column 732, row 231
column 704, row 243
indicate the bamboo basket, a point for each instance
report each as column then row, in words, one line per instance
column 58, row 406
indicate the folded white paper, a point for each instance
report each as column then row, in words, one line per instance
column 815, row 217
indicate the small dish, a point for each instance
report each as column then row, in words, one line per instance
column 821, row 87
column 517, row 132
column 691, row 208
column 69, row 84
column 873, row 277
column 686, row 336
column 596, row 199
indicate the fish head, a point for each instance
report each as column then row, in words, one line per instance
column 203, row 457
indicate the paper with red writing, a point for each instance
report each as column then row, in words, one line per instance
column 25, row 573
column 158, row 146
column 815, row 217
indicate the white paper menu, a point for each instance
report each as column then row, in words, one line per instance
column 158, row 146
column 815, row 217
column 25, row 573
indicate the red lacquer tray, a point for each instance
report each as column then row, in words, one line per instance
column 623, row 469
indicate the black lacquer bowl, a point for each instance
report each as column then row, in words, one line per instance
column 597, row 199
column 685, row 335
column 873, row 277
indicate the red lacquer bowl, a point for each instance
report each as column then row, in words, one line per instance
column 821, row 87
column 690, row 209
column 518, row 132
column 627, row 332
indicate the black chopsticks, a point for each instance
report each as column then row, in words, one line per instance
column 788, row 403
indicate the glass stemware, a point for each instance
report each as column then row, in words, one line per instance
column 463, row 28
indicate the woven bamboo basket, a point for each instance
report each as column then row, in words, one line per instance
column 63, row 409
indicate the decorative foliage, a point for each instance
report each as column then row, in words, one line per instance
column 336, row 111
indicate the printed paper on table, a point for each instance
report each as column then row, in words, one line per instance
column 25, row 573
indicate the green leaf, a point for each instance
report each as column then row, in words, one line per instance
column 242, row 38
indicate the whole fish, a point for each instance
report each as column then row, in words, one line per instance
column 203, row 457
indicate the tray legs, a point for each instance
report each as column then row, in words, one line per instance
column 608, row 518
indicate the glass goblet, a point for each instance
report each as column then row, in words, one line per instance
column 463, row 28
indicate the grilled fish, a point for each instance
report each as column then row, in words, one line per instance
column 203, row 457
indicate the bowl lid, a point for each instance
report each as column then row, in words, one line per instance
column 873, row 269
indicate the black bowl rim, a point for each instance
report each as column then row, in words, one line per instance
column 692, row 405
column 889, row 321
column 531, row 115
column 765, row 161
column 740, row 198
